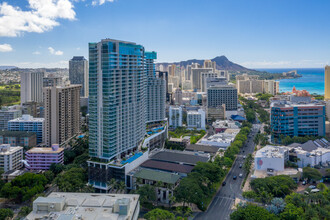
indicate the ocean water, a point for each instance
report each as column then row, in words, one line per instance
column 312, row 80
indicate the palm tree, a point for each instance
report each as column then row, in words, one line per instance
column 122, row 186
column 112, row 183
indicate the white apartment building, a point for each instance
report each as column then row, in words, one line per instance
column 10, row 157
column 31, row 86
column 175, row 114
column 196, row 119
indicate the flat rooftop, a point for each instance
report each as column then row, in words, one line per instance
column 44, row 150
column 203, row 148
column 270, row 152
column 155, row 175
column 179, row 157
column 17, row 133
column 91, row 206
column 167, row 166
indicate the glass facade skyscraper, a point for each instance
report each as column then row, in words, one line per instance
column 156, row 91
column 78, row 73
column 117, row 103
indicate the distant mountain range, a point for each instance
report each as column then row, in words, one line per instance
column 222, row 64
column 7, row 67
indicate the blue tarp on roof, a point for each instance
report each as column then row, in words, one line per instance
column 238, row 118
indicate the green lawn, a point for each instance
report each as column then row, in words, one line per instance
column 10, row 94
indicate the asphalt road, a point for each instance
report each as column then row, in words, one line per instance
column 220, row 207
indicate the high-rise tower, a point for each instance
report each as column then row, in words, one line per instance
column 327, row 83
column 31, row 86
column 117, row 87
column 78, row 73
column 156, row 91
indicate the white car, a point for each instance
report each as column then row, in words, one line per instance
column 240, row 175
column 312, row 187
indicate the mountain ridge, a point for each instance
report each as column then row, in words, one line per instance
column 222, row 63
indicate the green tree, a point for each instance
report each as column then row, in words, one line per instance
column 56, row 168
column 291, row 212
column 311, row 173
column 159, row 214
column 73, row 180
column 49, row 176
column 6, row 213
column 147, row 193
column 251, row 212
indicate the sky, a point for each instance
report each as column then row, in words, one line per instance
column 253, row 33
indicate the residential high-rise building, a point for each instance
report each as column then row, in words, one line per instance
column 28, row 123
column 175, row 114
column 327, row 83
column 31, row 86
column 219, row 95
column 52, row 80
column 171, row 70
column 178, row 96
column 295, row 119
column 208, row 64
column 117, row 99
column 7, row 114
column 203, row 78
column 196, row 119
column 196, row 77
column 78, row 73
column 62, row 113
column 164, row 75
column 10, row 157
column 188, row 73
column 156, row 91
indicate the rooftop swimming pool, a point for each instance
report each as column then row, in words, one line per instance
column 132, row 158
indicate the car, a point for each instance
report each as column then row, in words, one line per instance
column 244, row 157
column 243, row 151
column 304, row 182
column 235, row 177
column 240, row 175
column 241, row 165
column 312, row 187
column 223, row 183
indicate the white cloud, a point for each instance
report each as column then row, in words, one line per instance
column 100, row 2
column 5, row 48
column 41, row 17
column 78, row 48
column 36, row 53
column 55, row 52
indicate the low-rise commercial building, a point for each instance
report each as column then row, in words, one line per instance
column 271, row 158
column 165, row 182
column 28, row 123
column 41, row 158
column 73, row 206
column 18, row 138
column 10, row 157
column 221, row 140
column 311, row 153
